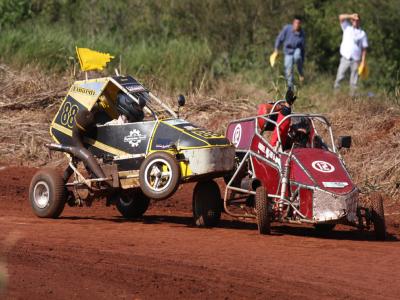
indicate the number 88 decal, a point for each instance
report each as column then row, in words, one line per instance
column 68, row 114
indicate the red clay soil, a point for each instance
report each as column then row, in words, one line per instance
column 92, row 253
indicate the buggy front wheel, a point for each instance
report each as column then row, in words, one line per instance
column 47, row 193
column 159, row 175
column 206, row 203
column 263, row 211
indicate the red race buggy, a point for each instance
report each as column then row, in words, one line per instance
column 297, row 185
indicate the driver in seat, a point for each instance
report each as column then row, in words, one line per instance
column 128, row 109
column 299, row 133
column 295, row 131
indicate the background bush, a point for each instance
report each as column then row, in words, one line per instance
column 184, row 44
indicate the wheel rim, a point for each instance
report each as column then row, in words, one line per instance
column 158, row 175
column 126, row 200
column 41, row 194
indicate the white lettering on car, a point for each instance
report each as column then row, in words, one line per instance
column 272, row 156
column 261, row 147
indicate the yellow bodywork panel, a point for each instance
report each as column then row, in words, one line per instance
column 88, row 91
column 185, row 169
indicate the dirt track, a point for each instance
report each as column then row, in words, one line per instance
column 93, row 253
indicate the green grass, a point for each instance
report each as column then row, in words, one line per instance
column 177, row 64
column 174, row 64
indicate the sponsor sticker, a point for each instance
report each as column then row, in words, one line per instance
column 160, row 146
column 333, row 184
column 261, row 147
column 237, row 135
column 163, row 144
column 134, row 138
column 83, row 90
column 135, row 88
column 269, row 153
column 323, row 166
column 175, row 122
column 272, row 156
column 190, row 127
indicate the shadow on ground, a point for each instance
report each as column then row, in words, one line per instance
column 343, row 233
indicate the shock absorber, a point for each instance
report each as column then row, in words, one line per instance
column 285, row 177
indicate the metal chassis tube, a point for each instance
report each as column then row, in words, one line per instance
column 80, row 179
column 284, row 182
column 230, row 187
column 279, row 198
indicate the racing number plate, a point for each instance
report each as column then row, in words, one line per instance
column 68, row 113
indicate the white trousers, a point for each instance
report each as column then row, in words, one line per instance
column 344, row 65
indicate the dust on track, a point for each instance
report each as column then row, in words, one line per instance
column 94, row 253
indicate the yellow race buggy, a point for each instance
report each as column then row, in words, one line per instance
column 126, row 162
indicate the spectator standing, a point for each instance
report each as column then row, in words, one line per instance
column 353, row 50
column 292, row 37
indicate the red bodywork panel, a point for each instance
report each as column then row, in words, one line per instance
column 322, row 166
column 283, row 131
column 263, row 109
column 310, row 168
column 267, row 173
column 297, row 173
column 306, row 202
column 240, row 134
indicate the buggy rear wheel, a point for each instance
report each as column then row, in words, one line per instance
column 206, row 203
column 47, row 193
column 131, row 203
column 263, row 211
column 159, row 175
column 378, row 217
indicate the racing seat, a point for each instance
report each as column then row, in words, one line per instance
column 263, row 109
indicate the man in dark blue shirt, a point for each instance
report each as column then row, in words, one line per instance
column 293, row 39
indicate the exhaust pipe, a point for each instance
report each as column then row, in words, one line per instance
column 84, row 123
column 83, row 154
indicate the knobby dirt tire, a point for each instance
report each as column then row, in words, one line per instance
column 144, row 175
column 47, row 182
column 378, row 217
column 206, row 204
column 132, row 203
column 263, row 211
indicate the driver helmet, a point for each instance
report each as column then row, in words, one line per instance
column 143, row 98
column 129, row 108
column 300, row 131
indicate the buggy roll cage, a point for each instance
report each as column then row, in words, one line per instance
column 160, row 112
column 151, row 102
column 283, row 170
column 266, row 118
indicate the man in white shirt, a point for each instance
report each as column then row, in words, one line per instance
column 353, row 50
